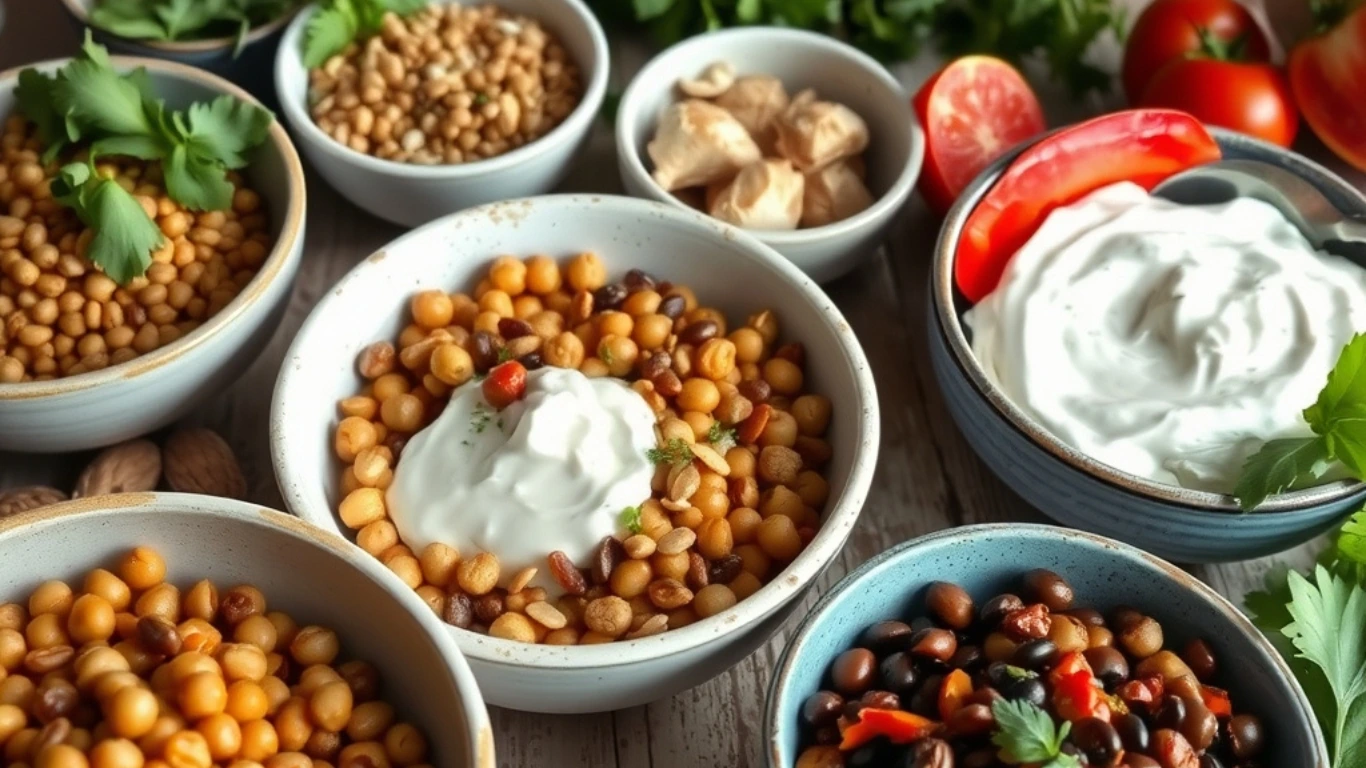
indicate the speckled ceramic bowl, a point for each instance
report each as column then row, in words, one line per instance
column 1182, row 525
column 987, row 560
column 727, row 269
column 302, row 570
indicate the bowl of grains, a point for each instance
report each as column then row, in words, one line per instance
column 185, row 630
column 607, row 437
column 448, row 107
column 132, row 288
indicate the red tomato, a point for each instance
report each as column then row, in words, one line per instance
column 972, row 110
column 1144, row 146
column 1249, row 98
column 505, row 385
column 1327, row 75
column 1171, row 29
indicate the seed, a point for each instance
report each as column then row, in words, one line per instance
column 668, row 594
column 676, row 541
column 546, row 615
column 684, row 484
column 158, row 635
column 652, row 626
column 639, row 546
column 521, row 579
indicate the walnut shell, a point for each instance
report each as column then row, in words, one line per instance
column 18, row 500
column 200, row 461
column 130, row 467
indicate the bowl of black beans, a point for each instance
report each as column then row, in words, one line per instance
column 994, row 646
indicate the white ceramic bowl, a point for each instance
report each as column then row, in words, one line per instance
column 150, row 391
column 727, row 269
column 800, row 59
column 410, row 194
column 303, row 571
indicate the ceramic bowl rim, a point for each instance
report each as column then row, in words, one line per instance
column 948, row 323
column 746, row 614
column 477, row 724
column 629, row 115
column 184, row 47
column 284, row 249
column 1101, row 545
column 576, row 123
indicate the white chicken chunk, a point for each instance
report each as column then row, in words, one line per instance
column 814, row 133
column 713, row 82
column 764, row 195
column 834, row 193
column 756, row 101
column 697, row 143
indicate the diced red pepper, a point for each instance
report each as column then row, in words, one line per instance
column 1076, row 694
column 897, row 726
column 954, row 693
column 1216, row 700
column 505, row 384
column 1144, row 694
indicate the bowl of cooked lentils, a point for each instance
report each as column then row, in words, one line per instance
column 131, row 288
column 999, row 645
column 186, row 630
column 449, row 106
column 610, row 443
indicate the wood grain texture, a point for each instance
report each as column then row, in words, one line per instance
column 927, row 478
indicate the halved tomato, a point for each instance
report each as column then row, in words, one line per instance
column 1144, row 146
column 1327, row 76
column 972, row 110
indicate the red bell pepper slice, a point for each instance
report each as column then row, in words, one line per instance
column 1216, row 700
column 1076, row 694
column 1144, row 146
column 954, row 693
column 897, row 726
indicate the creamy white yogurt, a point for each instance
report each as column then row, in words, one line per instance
column 1165, row 340
column 552, row 471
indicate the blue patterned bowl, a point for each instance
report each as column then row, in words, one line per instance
column 987, row 560
column 1179, row 524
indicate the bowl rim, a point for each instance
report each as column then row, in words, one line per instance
column 787, row 585
column 287, row 247
column 948, row 323
column 477, row 724
column 289, row 59
column 1103, row 546
column 182, row 47
column 629, row 114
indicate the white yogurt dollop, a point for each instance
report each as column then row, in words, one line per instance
column 552, row 471
column 1165, row 340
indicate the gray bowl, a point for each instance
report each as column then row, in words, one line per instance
column 1179, row 524
column 987, row 560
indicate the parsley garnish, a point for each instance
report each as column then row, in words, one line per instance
column 480, row 99
column 630, row 519
column 480, row 418
column 605, row 354
column 504, row 354
column 88, row 101
column 185, row 19
column 675, row 452
column 1027, row 734
column 1339, row 423
column 721, row 438
column 500, row 423
column 338, row 22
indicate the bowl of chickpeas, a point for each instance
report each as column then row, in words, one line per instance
column 87, row 362
column 171, row 629
column 744, row 419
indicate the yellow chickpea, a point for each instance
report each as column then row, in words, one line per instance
column 432, row 309
column 652, row 331
column 586, row 272
column 402, row 413
column 778, row 537
column 716, row 359
column 699, row 395
column 783, row 375
column 615, row 323
column 812, row 413
column 619, row 353
column 508, row 275
column 542, row 275
column 749, row 345
column 497, row 302
column 744, row 524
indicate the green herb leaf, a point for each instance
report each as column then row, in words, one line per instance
column 226, row 128
column 721, row 438
column 124, row 235
column 1345, row 391
column 504, row 354
column 1279, row 465
column 34, row 94
column 96, row 97
column 1350, row 547
column 1027, row 734
column 674, row 452
column 1329, row 631
column 127, row 18
column 142, row 147
column 196, row 181
column 185, row 19
column 329, row 31
column 630, row 519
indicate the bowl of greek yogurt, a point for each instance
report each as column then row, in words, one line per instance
column 1136, row 352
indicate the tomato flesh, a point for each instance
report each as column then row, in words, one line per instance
column 973, row 111
column 1144, row 146
column 1170, row 29
column 1253, row 99
column 1327, row 76
column 505, row 385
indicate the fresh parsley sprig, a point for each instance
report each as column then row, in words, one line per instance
column 338, row 22
column 1027, row 735
column 721, row 438
column 186, row 19
column 674, row 452
column 89, row 102
column 630, row 519
column 1338, row 420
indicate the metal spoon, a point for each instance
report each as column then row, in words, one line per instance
column 1326, row 227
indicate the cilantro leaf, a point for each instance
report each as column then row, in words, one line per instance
column 181, row 16
column 34, row 94
column 674, row 452
column 1281, row 464
column 1346, row 387
column 226, row 128
column 630, row 519
column 332, row 27
column 1329, row 631
column 127, row 18
column 1027, row 734
column 1346, row 436
column 124, row 235
column 1350, row 547
column 142, row 147
column 91, row 93
column 195, row 181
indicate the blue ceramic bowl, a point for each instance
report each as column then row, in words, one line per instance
column 1182, row 525
column 988, row 560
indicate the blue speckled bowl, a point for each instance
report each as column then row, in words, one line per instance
column 987, row 560
column 1179, row 524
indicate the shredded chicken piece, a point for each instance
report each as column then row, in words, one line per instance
column 814, row 133
column 697, row 143
column 756, row 101
column 715, row 80
column 833, row 193
column 764, row 195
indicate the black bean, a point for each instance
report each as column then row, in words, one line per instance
column 1133, row 732
column 1200, row 659
column 1044, row 586
column 852, row 672
column 1171, row 714
column 532, row 361
column 971, row 720
column 886, row 637
column 1034, row 654
column 672, row 306
column 1136, row 760
column 980, row 758
column 723, row 570
column 1097, row 739
column 880, row 700
column 511, row 328
column 931, row 753
column 985, row 695
column 828, row 736
column 1245, row 736
column 937, row 644
column 926, row 699
column 997, row 607
column 822, row 708
column 1088, row 616
column 1108, row 665
column 898, row 674
column 637, row 280
column 1210, row 761
column 1200, row 726
column 967, row 657
column 698, row 332
column 921, row 622
column 609, row 297
column 950, row 603
column 1030, row 689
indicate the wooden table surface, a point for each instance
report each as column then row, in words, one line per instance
column 927, row 478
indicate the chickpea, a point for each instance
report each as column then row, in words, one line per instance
column 812, row 413
column 716, row 359
column 432, row 309
column 247, row 701
column 542, row 275
column 402, row 413
column 586, row 272
column 783, row 375
column 314, row 645
column 508, row 275
column 91, row 620
column 713, row 599
column 354, row 434
column 565, row 350
column 700, row 395
column 777, row 535
column 629, row 579
column 618, row 353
